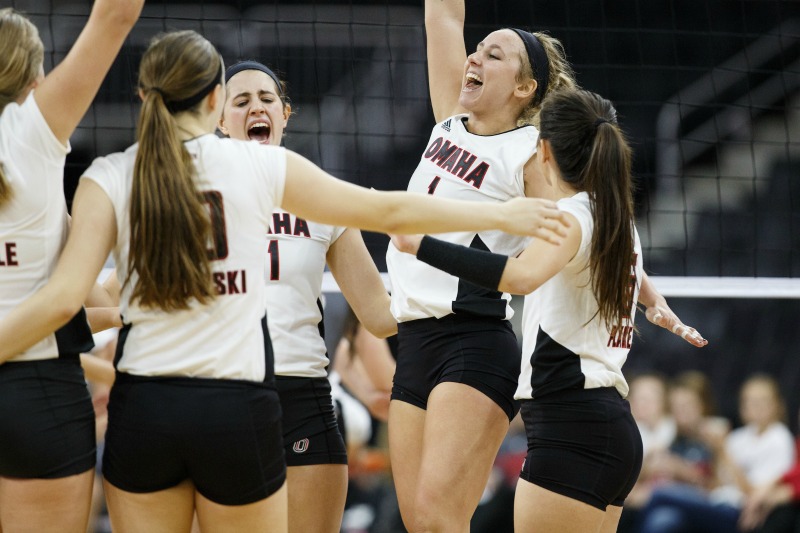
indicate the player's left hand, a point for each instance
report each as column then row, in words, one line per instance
column 662, row 315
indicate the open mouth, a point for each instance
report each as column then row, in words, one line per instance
column 259, row 131
column 473, row 81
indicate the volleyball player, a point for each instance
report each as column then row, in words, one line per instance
column 257, row 108
column 47, row 454
column 584, row 449
column 458, row 357
column 194, row 419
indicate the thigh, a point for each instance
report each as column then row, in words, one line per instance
column 462, row 434
column 67, row 508
column 539, row 510
column 317, row 495
column 406, row 425
column 266, row 515
column 164, row 511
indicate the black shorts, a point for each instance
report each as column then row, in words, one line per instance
column 46, row 419
column 310, row 432
column 223, row 435
column 583, row 444
column 476, row 351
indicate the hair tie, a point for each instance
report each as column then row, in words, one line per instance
column 600, row 121
column 157, row 91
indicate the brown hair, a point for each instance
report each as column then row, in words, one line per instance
column 775, row 390
column 560, row 76
column 21, row 57
column 697, row 383
column 170, row 227
column 593, row 156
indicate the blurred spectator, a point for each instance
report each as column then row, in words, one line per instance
column 648, row 399
column 775, row 507
column 749, row 457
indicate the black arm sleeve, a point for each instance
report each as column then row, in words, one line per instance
column 476, row 266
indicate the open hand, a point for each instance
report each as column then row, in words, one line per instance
column 662, row 315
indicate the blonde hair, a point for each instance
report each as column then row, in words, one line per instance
column 170, row 227
column 561, row 76
column 21, row 57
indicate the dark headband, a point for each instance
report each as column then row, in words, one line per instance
column 540, row 63
column 188, row 103
column 235, row 69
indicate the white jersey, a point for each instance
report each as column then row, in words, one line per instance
column 297, row 251
column 461, row 165
column 34, row 223
column 241, row 182
column 563, row 347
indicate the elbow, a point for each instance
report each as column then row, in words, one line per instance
column 520, row 286
column 394, row 219
column 65, row 311
column 381, row 331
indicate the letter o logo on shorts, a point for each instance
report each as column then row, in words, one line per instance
column 300, row 446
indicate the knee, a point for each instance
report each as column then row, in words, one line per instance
column 430, row 516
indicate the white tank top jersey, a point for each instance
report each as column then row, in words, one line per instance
column 563, row 347
column 34, row 223
column 241, row 182
column 461, row 165
column 297, row 252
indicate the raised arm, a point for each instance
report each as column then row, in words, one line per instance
column 313, row 194
column 91, row 238
column 66, row 93
column 447, row 54
column 361, row 284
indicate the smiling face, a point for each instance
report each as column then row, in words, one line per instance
column 491, row 74
column 253, row 109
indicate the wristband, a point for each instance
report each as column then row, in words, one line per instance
column 476, row 266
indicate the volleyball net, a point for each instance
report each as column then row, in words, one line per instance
column 709, row 93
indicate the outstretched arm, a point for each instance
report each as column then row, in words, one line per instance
column 91, row 237
column 66, row 93
column 361, row 284
column 540, row 261
column 659, row 313
column 315, row 195
column 447, row 54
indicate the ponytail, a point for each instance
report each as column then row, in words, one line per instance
column 594, row 156
column 169, row 224
column 608, row 176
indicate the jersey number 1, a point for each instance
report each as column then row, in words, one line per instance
column 274, row 260
column 434, row 184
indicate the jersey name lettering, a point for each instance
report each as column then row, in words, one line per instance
column 288, row 224
column 230, row 283
column 8, row 254
column 457, row 161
